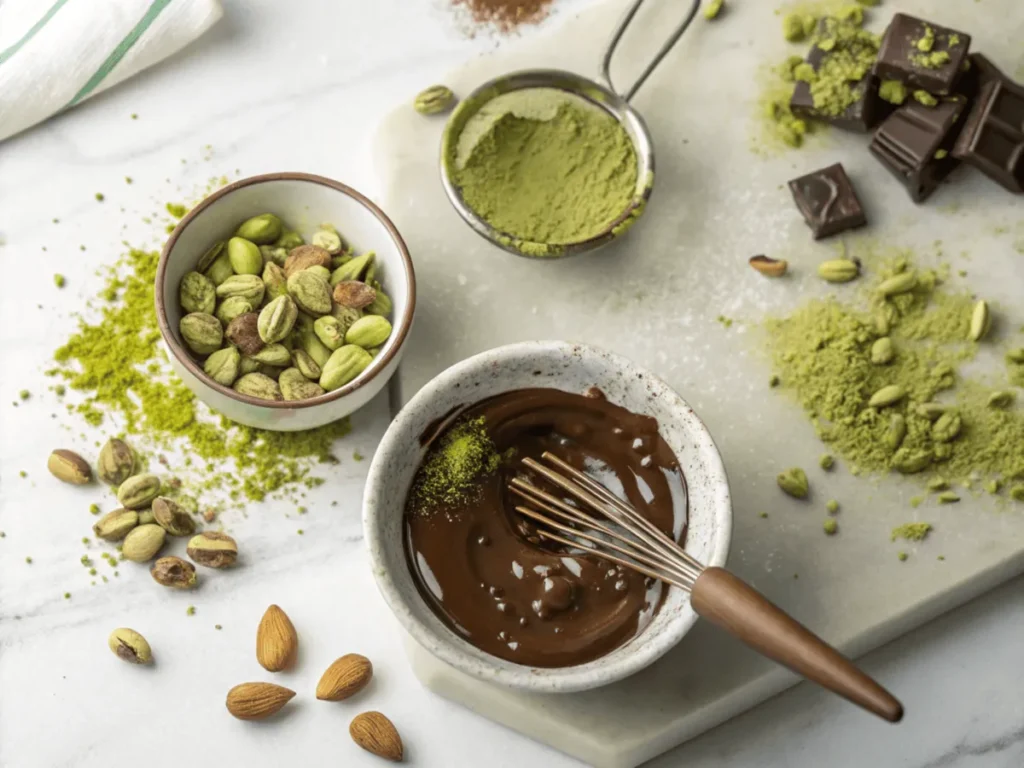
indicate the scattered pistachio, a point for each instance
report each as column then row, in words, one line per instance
column 827, row 461
column 68, row 467
column 143, row 542
column 137, row 492
column 889, row 395
column 116, row 462
column 130, row 646
column 173, row 517
column 213, row 549
column 434, row 100
column 768, row 266
column 174, row 572
column 838, row 270
column 981, row 321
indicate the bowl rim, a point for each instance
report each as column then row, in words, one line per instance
column 402, row 327
column 447, row 646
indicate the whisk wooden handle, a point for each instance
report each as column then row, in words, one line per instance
column 736, row 607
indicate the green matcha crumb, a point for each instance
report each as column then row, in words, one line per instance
column 217, row 626
column 28, row 560
column 3, row 535
column 59, row 390
column 462, row 454
column 59, row 280
column 831, row 527
column 797, row 27
column 134, row 116
column 927, row 40
column 892, row 91
column 94, row 509
column 902, row 556
column 725, row 321
column 1017, row 493
column 190, row 611
column 941, row 154
column 841, row 76
column 911, row 531
column 127, row 179
column 92, row 571
column 713, row 8
column 938, row 484
column 774, row 381
column 300, row 532
column 941, row 557
column 763, row 515
column 177, row 210
column 357, row 456
column 84, row 560
column 832, row 506
column 100, row 197
column 827, row 461
column 85, row 540
column 24, row 394
column 993, row 486
column 67, row 595
column 22, row 473
column 948, row 497
column 925, row 98
column 302, row 510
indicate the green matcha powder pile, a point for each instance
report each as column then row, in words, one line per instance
column 822, row 354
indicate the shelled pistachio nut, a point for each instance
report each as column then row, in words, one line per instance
column 307, row 366
column 343, row 366
column 882, row 351
column 1001, row 399
column 947, row 427
column 115, row 525
column 381, row 304
column 197, row 293
column 353, row 294
column 174, row 572
column 275, row 281
column 143, row 542
column 128, row 645
column 312, row 294
column 277, row 319
column 276, row 355
column 896, row 432
column 202, row 332
column 249, row 287
column 901, row 283
column 369, row 331
column 222, row 366
column 138, row 491
column 434, row 100
column 313, row 347
column 146, row 517
column 353, row 269
column 220, row 270
column 173, row 517
column 67, row 466
column 330, row 331
column 931, row 411
column 258, row 385
column 295, row 386
column 910, row 462
column 329, row 240
column 244, row 333
column 289, row 239
column 981, row 321
column 838, row 270
column 213, row 549
column 245, row 256
column 230, row 308
column 262, row 230
column 888, row 395
column 304, row 257
column 207, row 259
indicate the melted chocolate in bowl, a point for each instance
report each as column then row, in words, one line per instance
column 490, row 578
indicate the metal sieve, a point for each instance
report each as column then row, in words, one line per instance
column 604, row 96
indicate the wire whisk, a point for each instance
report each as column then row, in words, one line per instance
column 604, row 526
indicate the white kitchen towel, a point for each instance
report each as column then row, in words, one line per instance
column 55, row 54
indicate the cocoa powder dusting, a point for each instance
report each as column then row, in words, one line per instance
column 506, row 15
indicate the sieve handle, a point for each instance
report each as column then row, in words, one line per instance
column 609, row 53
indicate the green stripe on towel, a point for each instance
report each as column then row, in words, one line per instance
column 5, row 55
column 119, row 52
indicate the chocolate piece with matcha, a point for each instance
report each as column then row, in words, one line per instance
column 828, row 202
column 922, row 55
column 914, row 144
column 860, row 115
column 992, row 139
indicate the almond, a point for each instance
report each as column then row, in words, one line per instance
column 255, row 701
column 375, row 733
column 345, row 677
column 276, row 641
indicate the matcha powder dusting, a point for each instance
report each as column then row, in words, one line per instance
column 461, row 455
column 544, row 166
column 119, row 369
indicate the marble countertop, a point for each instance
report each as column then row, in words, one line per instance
column 300, row 86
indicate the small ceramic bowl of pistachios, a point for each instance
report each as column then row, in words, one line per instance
column 284, row 300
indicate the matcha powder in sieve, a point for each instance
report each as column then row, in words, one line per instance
column 544, row 166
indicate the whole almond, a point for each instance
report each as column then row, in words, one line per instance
column 304, row 257
column 375, row 733
column 345, row 677
column 255, row 701
column 276, row 641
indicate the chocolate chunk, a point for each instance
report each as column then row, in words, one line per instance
column 980, row 71
column 914, row 144
column 860, row 116
column 922, row 55
column 828, row 202
column 992, row 139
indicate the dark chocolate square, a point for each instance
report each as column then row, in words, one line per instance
column 914, row 143
column 900, row 58
column 828, row 202
column 979, row 73
column 992, row 139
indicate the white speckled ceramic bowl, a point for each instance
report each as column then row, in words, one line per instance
column 303, row 201
column 573, row 368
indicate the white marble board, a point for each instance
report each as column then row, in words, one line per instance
column 656, row 296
